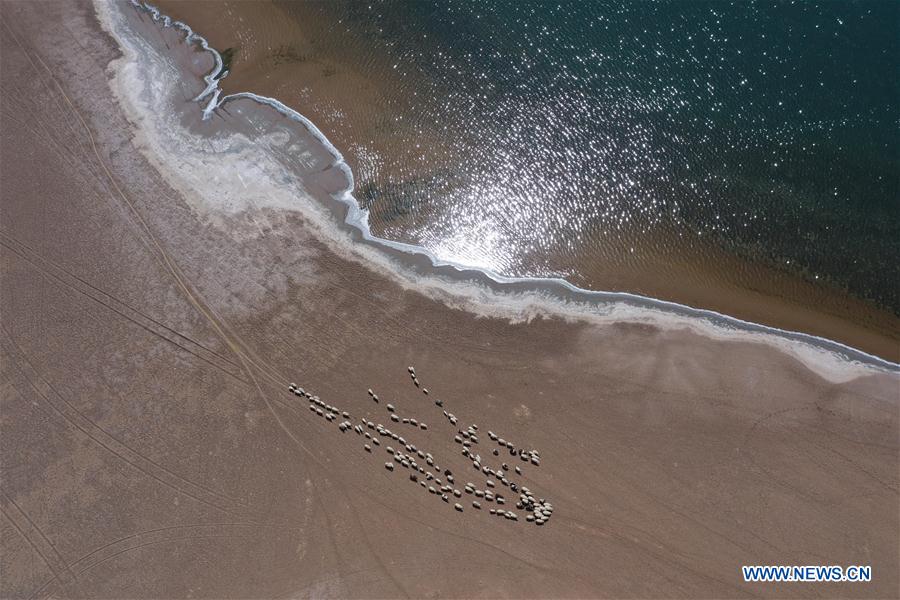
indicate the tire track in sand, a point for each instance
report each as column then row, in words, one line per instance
column 203, row 494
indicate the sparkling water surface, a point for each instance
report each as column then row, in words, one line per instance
column 544, row 138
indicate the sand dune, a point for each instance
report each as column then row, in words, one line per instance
column 151, row 447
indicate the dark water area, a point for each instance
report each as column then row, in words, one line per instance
column 540, row 137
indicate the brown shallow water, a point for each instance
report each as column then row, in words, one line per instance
column 150, row 448
column 294, row 53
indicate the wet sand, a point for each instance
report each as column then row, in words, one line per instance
column 281, row 54
column 151, row 447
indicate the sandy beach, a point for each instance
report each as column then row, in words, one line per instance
column 165, row 278
column 281, row 52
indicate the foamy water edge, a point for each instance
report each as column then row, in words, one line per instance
column 477, row 290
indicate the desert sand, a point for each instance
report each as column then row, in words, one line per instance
column 151, row 447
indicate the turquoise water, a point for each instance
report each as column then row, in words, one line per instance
column 546, row 136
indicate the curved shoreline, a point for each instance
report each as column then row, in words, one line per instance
column 565, row 299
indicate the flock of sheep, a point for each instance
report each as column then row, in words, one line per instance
column 423, row 468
